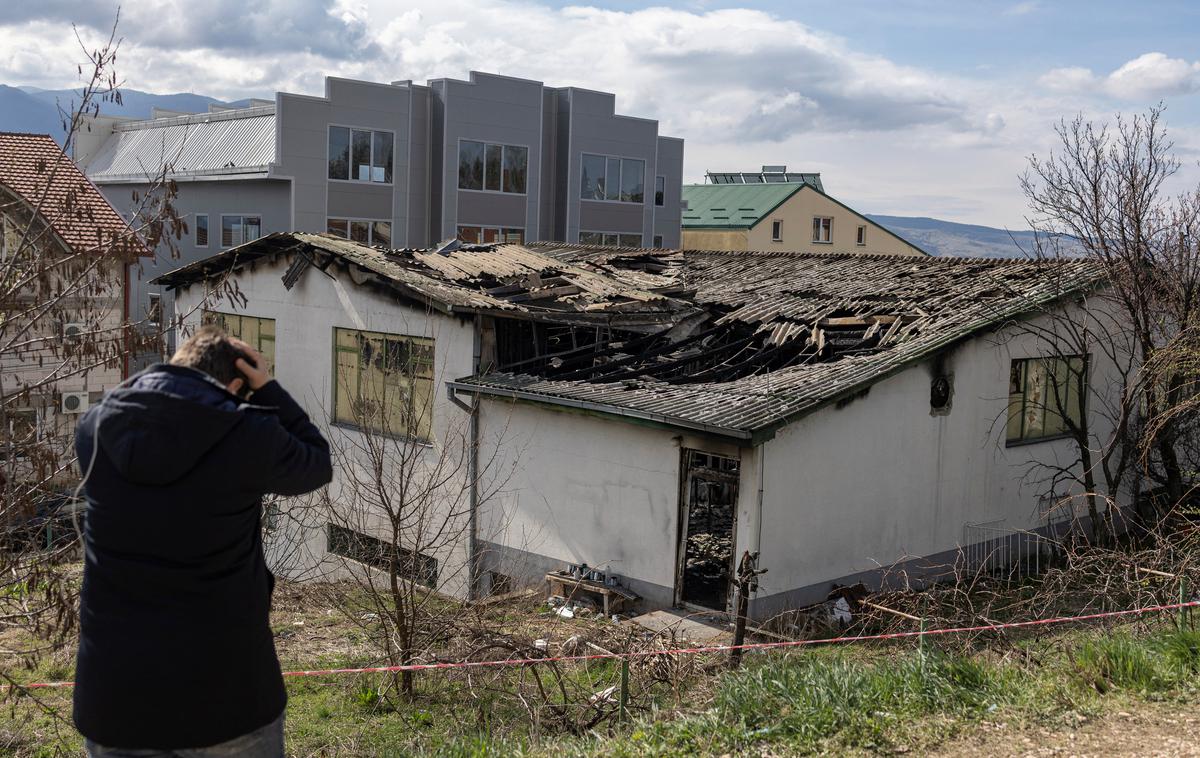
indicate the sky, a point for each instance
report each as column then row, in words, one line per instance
column 905, row 107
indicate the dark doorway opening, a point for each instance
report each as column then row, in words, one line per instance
column 709, row 510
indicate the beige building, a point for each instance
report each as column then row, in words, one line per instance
column 63, row 256
column 791, row 216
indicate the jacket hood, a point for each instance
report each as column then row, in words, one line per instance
column 157, row 426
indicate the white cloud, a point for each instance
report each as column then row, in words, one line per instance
column 1147, row 77
column 743, row 87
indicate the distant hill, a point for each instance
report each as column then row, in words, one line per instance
column 22, row 112
column 29, row 109
column 947, row 238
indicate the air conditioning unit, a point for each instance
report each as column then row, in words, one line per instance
column 74, row 402
column 73, row 330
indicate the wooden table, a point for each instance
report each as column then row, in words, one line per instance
column 615, row 599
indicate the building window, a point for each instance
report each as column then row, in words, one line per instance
column 1044, row 397
column 604, row 177
column 610, row 239
column 257, row 332
column 21, row 432
column 369, row 551
column 660, row 190
column 237, row 230
column 154, row 310
column 360, row 155
column 383, row 382
column 492, row 167
column 658, row 241
column 487, row 235
column 201, row 230
column 862, row 235
column 366, row 231
column 777, row 231
column 822, row 229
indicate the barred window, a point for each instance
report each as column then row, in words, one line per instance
column 369, row 551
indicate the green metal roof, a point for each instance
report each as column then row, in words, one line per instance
column 732, row 206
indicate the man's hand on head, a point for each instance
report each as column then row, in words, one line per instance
column 256, row 374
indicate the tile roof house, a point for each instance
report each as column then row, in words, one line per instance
column 661, row 412
column 795, row 216
column 34, row 169
column 58, row 230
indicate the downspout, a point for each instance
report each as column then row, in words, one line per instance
column 472, row 467
column 758, row 517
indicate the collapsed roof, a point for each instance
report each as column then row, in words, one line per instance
column 734, row 344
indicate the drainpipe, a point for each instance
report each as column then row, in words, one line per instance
column 758, row 517
column 472, row 467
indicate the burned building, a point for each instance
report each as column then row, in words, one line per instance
column 658, row 413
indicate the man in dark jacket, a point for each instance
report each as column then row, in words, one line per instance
column 175, row 648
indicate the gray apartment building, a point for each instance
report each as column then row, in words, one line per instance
column 492, row 158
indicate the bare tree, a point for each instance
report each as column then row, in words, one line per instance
column 1106, row 189
column 400, row 515
column 48, row 282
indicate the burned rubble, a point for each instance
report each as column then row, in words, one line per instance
column 730, row 343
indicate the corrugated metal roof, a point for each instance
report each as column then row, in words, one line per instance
column 732, row 206
column 206, row 144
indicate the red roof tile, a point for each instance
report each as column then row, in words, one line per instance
column 34, row 167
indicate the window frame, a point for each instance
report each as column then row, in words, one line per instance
column 207, row 316
column 621, row 159
column 816, row 236
column 243, row 217
column 658, row 242
column 40, row 421
column 334, row 412
column 777, row 230
column 329, row 127
column 370, row 229
column 660, row 195
column 618, row 235
column 483, row 180
column 152, row 298
column 1065, row 433
column 207, row 231
column 861, row 236
column 500, row 233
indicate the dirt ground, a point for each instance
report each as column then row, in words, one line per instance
column 1161, row 730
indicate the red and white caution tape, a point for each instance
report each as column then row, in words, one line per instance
column 710, row 648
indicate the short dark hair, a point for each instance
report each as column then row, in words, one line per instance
column 209, row 350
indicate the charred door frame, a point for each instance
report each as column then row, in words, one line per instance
column 685, row 454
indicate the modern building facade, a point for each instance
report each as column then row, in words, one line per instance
column 777, row 210
column 491, row 158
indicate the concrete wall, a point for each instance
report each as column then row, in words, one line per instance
column 496, row 109
column 669, row 216
column 268, row 199
column 883, row 479
column 577, row 488
column 305, row 318
column 594, row 127
column 714, row 239
column 302, row 148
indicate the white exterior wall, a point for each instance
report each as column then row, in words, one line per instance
column 578, row 488
column 305, row 318
column 883, row 480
